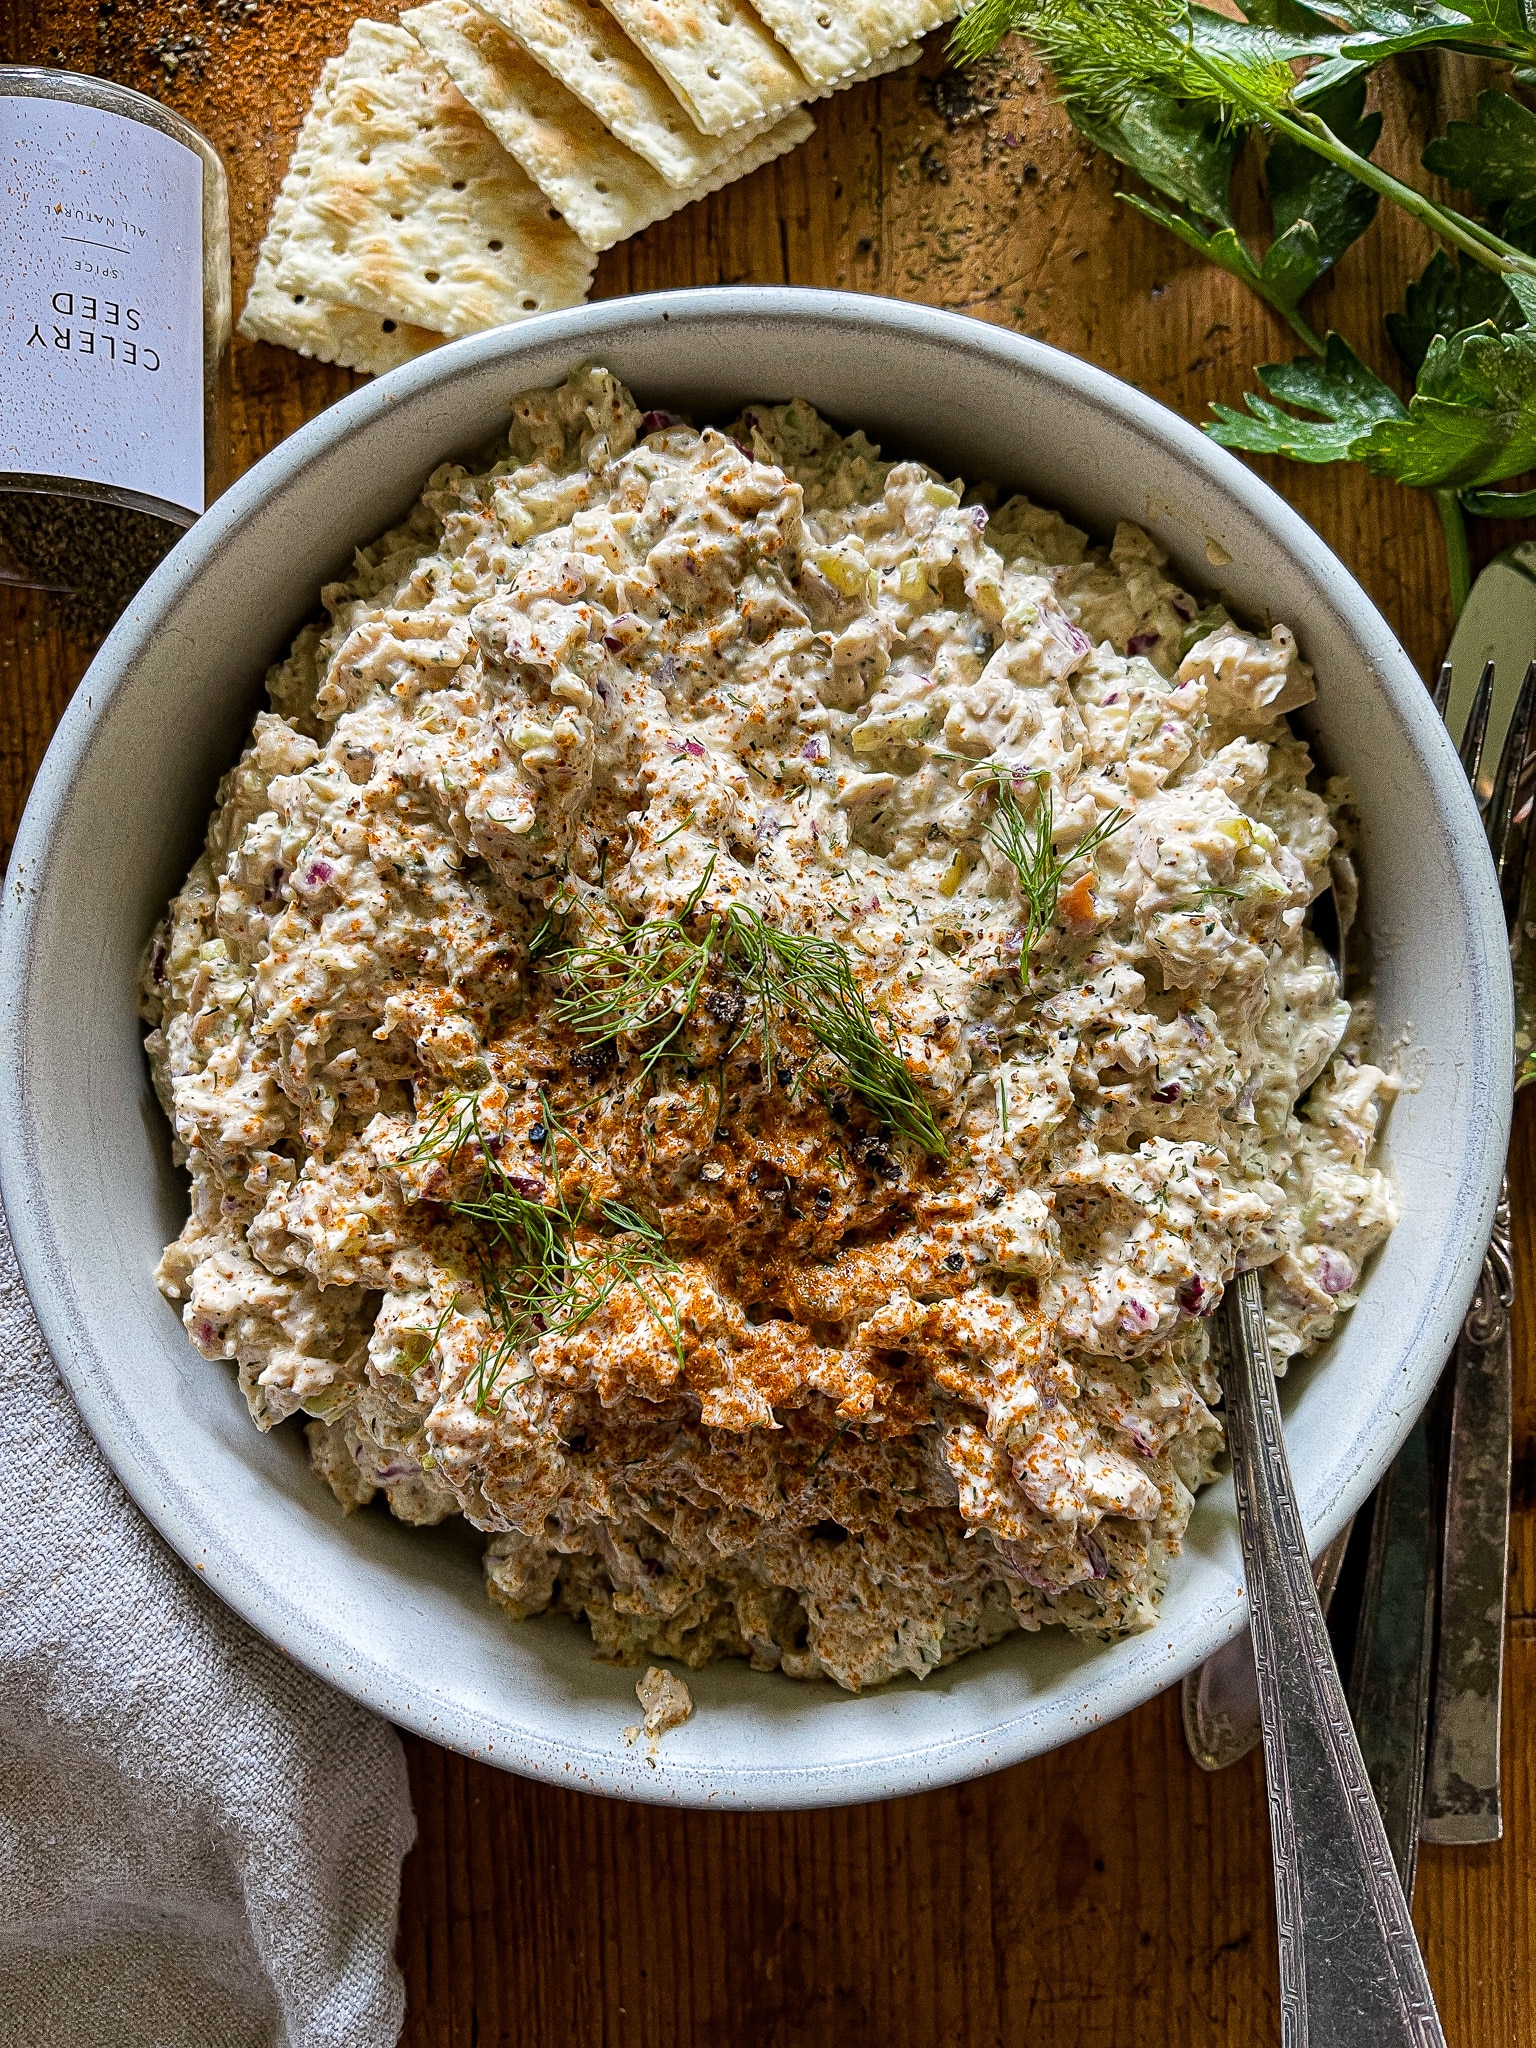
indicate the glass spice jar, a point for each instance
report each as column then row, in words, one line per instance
column 114, row 336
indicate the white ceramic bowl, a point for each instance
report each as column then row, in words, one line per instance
column 397, row 1617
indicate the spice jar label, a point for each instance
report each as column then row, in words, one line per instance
column 101, row 301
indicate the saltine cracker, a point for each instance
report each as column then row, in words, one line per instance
column 581, row 44
column 832, row 40
column 716, row 56
column 605, row 191
column 412, row 209
column 301, row 320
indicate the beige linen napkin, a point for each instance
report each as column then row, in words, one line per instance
column 200, row 1844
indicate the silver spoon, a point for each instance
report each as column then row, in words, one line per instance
column 1351, row 1975
column 1221, row 1700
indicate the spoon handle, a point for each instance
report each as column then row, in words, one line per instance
column 1351, row 1975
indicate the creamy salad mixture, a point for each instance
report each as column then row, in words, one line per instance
column 738, row 1011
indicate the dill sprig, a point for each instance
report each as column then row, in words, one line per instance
column 811, row 981
column 645, row 984
column 553, row 1281
column 441, row 1324
column 550, row 1265
column 648, row 981
column 1027, row 843
column 1105, row 52
column 452, row 1122
column 644, row 978
column 1207, row 893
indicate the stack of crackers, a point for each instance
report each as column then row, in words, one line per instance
column 466, row 168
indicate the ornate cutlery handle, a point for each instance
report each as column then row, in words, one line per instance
column 1487, row 1319
column 1351, row 1975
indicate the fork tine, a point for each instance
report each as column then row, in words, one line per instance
column 1506, row 779
column 1477, row 727
column 1511, row 795
column 1441, row 695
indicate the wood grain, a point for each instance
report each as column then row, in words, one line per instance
column 1109, row 1896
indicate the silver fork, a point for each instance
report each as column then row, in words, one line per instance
column 1351, row 1973
column 1457, row 1798
column 1461, row 1792
column 1415, row 1565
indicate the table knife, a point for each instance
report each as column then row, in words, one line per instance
column 1390, row 1673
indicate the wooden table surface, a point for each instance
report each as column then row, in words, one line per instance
column 1110, row 1895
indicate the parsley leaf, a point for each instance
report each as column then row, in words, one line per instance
column 1317, row 208
column 1493, row 157
column 1179, row 149
column 1283, row 37
column 1449, row 296
column 1374, row 30
column 1505, row 19
column 1353, row 401
column 1471, row 421
column 1186, row 153
column 1294, row 16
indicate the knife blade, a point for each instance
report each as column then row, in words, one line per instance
column 1390, row 1673
column 1461, row 1797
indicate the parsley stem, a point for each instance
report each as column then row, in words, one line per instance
column 1313, row 133
column 1458, row 559
column 1499, row 504
column 1295, row 319
column 1254, row 105
column 1479, row 242
column 1237, row 263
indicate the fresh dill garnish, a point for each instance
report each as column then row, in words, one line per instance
column 511, row 1327
column 556, row 1127
column 811, row 981
column 646, row 981
column 1208, row 892
column 686, row 821
column 452, row 1123
column 546, row 934
column 1027, row 843
column 1106, row 52
column 441, row 1324
column 550, row 1265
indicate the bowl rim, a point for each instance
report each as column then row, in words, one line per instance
column 329, row 1653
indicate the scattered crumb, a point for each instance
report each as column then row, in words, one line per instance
column 666, row 1700
column 1216, row 554
column 961, row 97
